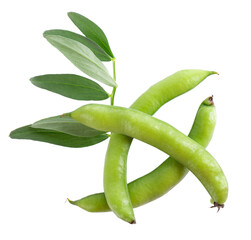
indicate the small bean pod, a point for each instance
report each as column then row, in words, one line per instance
column 162, row 179
column 161, row 135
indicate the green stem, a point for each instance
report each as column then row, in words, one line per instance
column 114, row 77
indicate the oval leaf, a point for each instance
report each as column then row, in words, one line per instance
column 94, row 47
column 91, row 30
column 71, row 86
column 57, row 138
column 66, row 124
column 82, row 57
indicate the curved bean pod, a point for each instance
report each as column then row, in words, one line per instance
column 162, row 179
column 161, row 135
column 115, row 185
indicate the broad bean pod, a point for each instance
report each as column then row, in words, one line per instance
column 135, row 124
column 162, row 179
column 115, row 181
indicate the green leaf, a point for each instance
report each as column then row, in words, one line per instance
column 71, row 86
column 91, row 30
column 94, row 47
column 66, row 124
column 82, row 57
column 54, row 137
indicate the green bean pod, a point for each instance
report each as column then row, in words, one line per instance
column 115, row 182
column 162, row 179
column 135, row 124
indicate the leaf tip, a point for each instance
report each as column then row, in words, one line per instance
column 32, row 79
column 11, row 134
column 45, row 33
column 70, row 14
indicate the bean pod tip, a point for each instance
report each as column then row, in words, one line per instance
column 218, row 205
column 209, row 101
column 133, row 222
column 70, row 201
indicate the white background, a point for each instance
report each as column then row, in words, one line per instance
column 150, row 40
